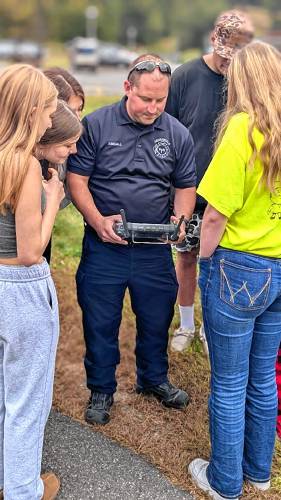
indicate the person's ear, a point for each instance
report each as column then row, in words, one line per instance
column 32, row 116
column 127, row 87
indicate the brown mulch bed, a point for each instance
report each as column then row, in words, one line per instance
column 169, row 439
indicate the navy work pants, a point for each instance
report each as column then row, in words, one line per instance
column 105, row 272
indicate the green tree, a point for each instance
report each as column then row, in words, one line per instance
column 186, row 20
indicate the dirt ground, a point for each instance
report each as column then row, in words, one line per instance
column 169, row 439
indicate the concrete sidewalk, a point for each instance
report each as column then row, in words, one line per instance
column 92, row 467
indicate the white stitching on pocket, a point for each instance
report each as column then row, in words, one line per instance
column 244, row 286
column 252, row 298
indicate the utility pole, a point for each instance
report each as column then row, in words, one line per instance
column 91, row 14
column 132, row 34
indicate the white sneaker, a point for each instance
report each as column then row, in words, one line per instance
column 202, row 337
column 182, row 339
column 260, row 486
column 197, row 469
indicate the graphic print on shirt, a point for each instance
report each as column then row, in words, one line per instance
column 274, row 210
column 161, row 147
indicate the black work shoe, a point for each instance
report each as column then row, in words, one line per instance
column 168, row 394
column 97, row 411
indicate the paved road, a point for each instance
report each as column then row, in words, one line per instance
column 104, row 81
column 92, row 467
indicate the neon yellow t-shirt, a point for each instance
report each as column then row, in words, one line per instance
column 233, row 188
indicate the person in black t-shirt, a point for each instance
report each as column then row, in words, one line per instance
column 196, row 99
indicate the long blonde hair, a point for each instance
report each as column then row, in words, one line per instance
column 254, row 87
column 24, row 91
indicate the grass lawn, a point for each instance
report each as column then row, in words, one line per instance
column 95, row 102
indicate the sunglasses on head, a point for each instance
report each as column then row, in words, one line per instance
column 151, row 66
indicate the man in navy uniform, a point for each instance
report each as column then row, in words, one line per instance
column 129, row 156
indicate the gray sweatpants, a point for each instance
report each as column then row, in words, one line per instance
column 29, row 330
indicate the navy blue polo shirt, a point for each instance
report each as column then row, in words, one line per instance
column 133, row 166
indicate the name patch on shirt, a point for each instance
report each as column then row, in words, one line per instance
column 112, row 143
column 161, row 147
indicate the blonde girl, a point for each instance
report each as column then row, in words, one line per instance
column 29, row 313
column 240, row 277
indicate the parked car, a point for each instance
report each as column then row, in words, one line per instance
column 29, row 52
column 84, row 53
column 21, row 51
column 7, row 49
column 115, row 55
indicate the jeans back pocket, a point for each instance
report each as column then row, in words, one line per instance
column 242, row 287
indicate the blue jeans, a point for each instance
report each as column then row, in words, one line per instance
column 241, row 303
